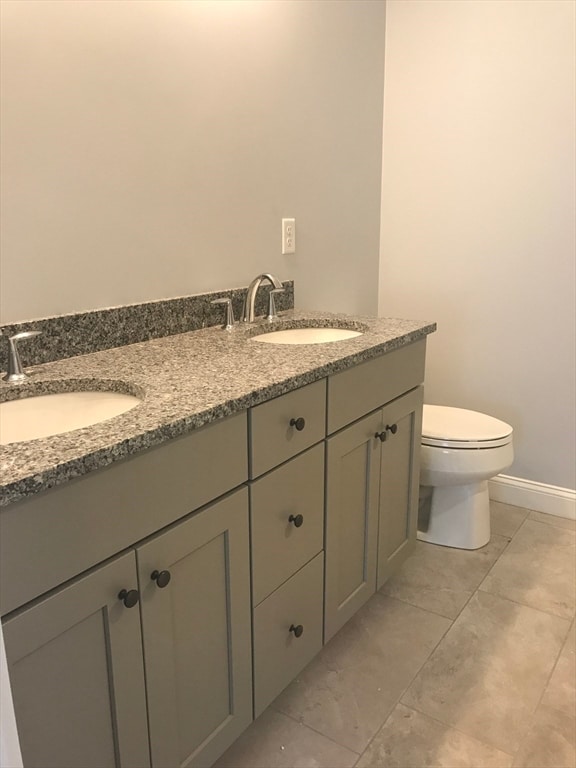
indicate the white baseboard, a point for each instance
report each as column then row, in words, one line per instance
column 538, row 496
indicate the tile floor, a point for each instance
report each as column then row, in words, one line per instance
column 465, row 659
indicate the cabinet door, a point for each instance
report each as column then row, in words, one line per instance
column 197, row 637
column 352, row 480
column 399, row 480
column 75, row 661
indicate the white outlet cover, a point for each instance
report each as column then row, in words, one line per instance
column 288, row 236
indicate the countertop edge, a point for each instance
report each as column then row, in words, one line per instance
column 61, row 473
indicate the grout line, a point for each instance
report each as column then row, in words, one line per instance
column 554, row 527
column 478, row 587
column 489, row 571
column 549, row 522
column 510, row 540
column 569, row 619
column 472, row 592
column 384, row 596
column 544, row 689
column 414, row 676
column 368, row 745
column 314, row 730
column 511, row 600
column 458, row 730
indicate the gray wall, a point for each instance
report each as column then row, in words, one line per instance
column 150, row 150
column 478, row 210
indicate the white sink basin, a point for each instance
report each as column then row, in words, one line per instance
column 306, row 336
column 32, row 417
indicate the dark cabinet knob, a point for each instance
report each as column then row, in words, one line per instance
column 162, row 578
column 296, row 519
column 298, row 423
column 129, row 597
column 298, row 629
column 393, row 428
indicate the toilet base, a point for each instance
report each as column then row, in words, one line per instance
column 459, row 516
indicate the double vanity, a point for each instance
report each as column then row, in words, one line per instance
column 166, row 573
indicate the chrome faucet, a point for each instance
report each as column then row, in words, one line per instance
column 248, row 310
column 15, row 370
column 229, row 323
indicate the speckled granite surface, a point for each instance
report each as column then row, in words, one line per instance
column 86, row 332
column 186, row 381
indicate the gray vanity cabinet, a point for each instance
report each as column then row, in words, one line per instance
column 75, row 662
column 233, row 599
column 195, row 586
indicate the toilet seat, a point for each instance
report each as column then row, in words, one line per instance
column 446, row 427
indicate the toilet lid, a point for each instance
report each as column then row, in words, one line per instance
column 458, row 428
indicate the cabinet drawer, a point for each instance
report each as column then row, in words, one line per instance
column 278, row 654
column 51, row 537
column 281, row 546
column 359, row 390
column 273, row 439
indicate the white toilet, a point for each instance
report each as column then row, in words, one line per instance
column 461, row 450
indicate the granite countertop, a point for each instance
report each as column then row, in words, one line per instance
column 185, row 381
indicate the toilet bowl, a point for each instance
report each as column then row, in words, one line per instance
column 461, row 450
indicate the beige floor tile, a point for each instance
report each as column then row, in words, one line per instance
column 351, row 687
column 490, row 670
column 442, row 579
column 560, row 692
column 277, row 741
column 538, row 569
column 506, row 519
column 410, row 739
column 550, row 741
column 559, row 522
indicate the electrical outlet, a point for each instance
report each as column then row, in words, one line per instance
column 288, row 236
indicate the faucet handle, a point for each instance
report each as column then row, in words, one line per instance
column 272, row 304
column 15, row 369
column 24, row 335
column 229, row 324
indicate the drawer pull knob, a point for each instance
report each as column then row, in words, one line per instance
column 129, row 597
column 384, row 434
column 297, row 630
column 298, row 423
column 162, row 578
column 296, row 519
